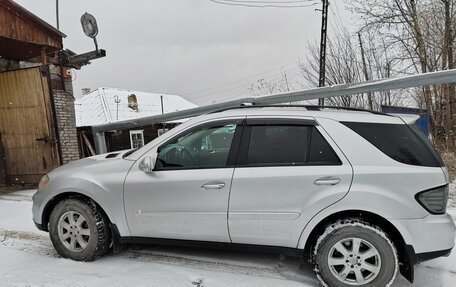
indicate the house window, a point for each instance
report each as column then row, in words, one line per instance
column 161, row 131
column 137, row 138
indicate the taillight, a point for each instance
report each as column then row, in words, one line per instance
column 434, row 200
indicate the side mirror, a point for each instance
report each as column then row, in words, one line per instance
column 147, row 165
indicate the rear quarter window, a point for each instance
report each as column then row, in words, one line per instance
column 400, row 142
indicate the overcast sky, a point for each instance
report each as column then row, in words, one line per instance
column 184, row 47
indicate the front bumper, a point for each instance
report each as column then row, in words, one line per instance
column 38, row 200
column 39, row 226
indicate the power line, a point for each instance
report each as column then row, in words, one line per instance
column 338, row 13
column 245, row 89
column 293, row 4
column 264, row 4
column 246, row 85
column 369, row 64
column 268, row 2
column 336, row 24
column 240, row 80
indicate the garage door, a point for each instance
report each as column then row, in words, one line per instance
column 27, row 133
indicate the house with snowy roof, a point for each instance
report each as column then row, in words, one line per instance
column 110, row 105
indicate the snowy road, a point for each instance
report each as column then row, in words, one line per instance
column 27, row 258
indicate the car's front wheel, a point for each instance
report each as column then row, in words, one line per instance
column 355, row 253
column 79, row 230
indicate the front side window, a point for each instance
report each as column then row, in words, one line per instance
column 205, row 147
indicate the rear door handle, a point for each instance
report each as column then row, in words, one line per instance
column 329, row 180
column 213, row 185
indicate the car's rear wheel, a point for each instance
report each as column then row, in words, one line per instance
column 355, row 253
column 79, row 230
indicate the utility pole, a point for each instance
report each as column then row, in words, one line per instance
column 57, row 13
column 366, row 73
column 163, row 111
column 161, row 101
column 324, row 32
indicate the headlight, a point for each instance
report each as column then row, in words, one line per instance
column 434, row 200
column 43, row 182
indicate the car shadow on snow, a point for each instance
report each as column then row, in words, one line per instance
column 245, row 263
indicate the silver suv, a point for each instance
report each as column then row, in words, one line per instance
column 361, row 194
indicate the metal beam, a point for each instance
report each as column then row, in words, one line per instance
column 84, row 59
column 188, row 113
column 433, row 78
column 100, row 142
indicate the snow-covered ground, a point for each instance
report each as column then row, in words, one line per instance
column 27, row 258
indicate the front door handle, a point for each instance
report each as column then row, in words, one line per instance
column 329, row 180
column 213, row 185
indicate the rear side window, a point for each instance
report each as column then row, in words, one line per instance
column 279, row 145
column 400, row 142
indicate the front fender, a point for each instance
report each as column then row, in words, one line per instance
column 103, row 183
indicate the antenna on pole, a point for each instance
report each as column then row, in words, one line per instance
column 324, row 32
column 117, row 101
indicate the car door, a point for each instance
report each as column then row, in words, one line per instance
column 186, row 195
column 288, row 170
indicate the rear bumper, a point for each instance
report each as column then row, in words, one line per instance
column 425, row 239
column 409, row 258
column 433, row 234
column 421, row 257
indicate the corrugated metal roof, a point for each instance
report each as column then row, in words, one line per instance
column 99, row 106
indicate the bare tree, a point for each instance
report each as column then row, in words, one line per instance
column 265, row 87
column 419, row 36
column 343, row 65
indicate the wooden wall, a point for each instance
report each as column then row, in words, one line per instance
column 19, row 26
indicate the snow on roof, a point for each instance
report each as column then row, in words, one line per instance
column 99, row 106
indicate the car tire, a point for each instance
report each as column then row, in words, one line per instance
column 79, row 229
column 352, row 252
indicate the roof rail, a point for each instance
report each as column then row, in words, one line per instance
column 307, row 107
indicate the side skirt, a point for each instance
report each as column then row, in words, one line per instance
column 119, row 241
